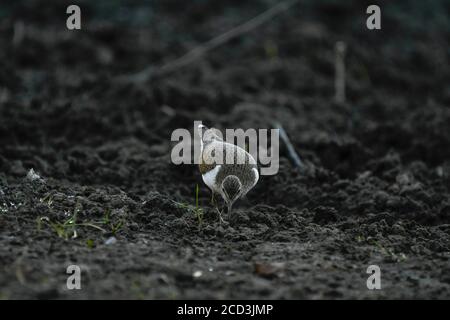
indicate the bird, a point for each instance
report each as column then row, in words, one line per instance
column 234, row 176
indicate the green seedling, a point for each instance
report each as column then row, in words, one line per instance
column 198, row 211
column 196, row 195
column 47, row 199
column 106, row 218
column 114, row 227
column 90, row 243
column 68, row 228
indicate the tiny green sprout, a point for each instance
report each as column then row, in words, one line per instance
column 196, row 195
column 68, row 228
column 107, row 221
column 198, row 211
column 106, row 218
column 47, row 199
column 90, row 243
column 61, row 229
column 199, row 215
column 115, row 227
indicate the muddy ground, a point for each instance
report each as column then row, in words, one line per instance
column 109, row 200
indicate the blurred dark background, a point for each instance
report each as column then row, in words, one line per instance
column 378, row 190
column 65, row 79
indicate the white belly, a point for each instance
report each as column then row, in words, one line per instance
column 209, row 178
column 255, row 171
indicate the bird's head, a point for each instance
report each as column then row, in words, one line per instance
column 208, row 135
column 231, row 189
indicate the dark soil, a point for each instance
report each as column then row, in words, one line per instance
column 376, row 191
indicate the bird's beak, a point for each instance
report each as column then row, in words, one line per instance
column 201, row 130
column 230, row 202
column 230, row 205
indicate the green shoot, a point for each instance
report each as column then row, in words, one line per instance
column 115, row 227
column 90, row 243
column 106, row 219
column 196, row 196
column 47, row 199
column 65, row 229
column 68, row 228
column 198, row 211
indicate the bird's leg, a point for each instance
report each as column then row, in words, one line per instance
column 219, row 213
column 216, row 206
column 213, row 199
column 230, row 205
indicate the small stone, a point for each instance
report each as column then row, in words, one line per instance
column 33, row 176
column 110, row 241
column 197, row 274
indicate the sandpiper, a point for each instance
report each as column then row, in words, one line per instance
column 233, row 177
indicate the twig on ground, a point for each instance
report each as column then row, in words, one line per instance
column 18, row 33
column 339, row 80
column 293, row 155
column 204, row 48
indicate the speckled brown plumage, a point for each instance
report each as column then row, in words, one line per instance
column 215, row 171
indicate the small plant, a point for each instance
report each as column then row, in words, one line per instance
column 196, row 195
column 47, row 199
column 68, row 228
column 114, row 227
column 90, row 243
column 63, row 229
column 198, row 211
column 106, row 218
